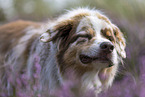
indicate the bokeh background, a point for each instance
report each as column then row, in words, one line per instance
column 129, row 15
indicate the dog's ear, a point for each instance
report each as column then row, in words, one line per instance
column 120, row 41
column 59, row 30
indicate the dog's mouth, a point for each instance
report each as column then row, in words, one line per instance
column 103, row 59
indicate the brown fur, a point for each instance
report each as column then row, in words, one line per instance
column 13, row 32
column 108, row 34
column 104, row 18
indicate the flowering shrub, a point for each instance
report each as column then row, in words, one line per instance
column 20, row 83
column 22, row 86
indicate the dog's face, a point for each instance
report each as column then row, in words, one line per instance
column 92, row 48
column 86, row 42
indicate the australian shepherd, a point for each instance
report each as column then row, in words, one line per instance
column 82, row 40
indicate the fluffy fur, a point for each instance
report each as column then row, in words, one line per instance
column 63, row 45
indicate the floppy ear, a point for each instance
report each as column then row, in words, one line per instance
column 120, row 42
column 59, row 30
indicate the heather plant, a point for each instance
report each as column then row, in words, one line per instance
column 72, row 88
column 19, row 85
column 23, row 86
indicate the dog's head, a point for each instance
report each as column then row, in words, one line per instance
column 86, row 40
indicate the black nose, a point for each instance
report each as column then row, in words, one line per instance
column 106, row 47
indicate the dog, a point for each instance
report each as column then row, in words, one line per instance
column 82, row 40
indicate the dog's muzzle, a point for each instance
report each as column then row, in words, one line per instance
column 104, row 56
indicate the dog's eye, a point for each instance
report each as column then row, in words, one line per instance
column 110, row 38
column 81, row 41
column 106, row 33
column 89, row 36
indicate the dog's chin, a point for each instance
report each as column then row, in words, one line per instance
column 97, row 61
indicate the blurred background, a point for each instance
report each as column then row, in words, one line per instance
column 129, row 15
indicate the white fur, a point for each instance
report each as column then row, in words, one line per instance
column 44, row 37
